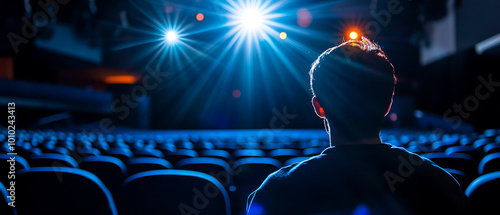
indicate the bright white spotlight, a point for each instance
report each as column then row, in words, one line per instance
column 171, row 36
column 251, row 19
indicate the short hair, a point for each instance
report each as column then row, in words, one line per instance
column 354, row 84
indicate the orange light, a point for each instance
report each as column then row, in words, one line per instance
column 200, row 17
column 120, row 79
column 353, row 35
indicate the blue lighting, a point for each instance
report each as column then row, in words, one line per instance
column 171, row 36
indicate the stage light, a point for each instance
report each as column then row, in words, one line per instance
column 251, row 19
column 171, row 36
column 283, row 35
column 353, row 35
column 200, row 17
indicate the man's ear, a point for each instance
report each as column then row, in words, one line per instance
column 389, row 108
column 317, row 108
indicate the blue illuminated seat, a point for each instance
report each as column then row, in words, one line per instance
column 295, row 160
column 173, row 192
column 491, row 148
column 124, row 154
column 460, row 176
column 179, row 154
column 312, row 151
column 470, row 150
column 50, row 159
column 5, row 208
column 246, row 153
column 153, row 153
column 216, row 153
column 483, row 193
column 61, row 190
column 83, row 152
column 57, row 150
column 109, row 169
column 137, row 165
column 283, row 155
column 248, row 174
column 458, row 161
column 490, row 163
column 215, row 167
column 21, row 163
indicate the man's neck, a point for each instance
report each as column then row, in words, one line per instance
column 340, row 141
column 337, row 139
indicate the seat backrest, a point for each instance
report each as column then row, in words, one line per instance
column 179, row 154
column 491, row 148
column 154, row 153
column 112, row 171
column 136, row 165
column 216, row 153
column 248, row 174
column 215, row 167
column 6, row 163
column 245, row 153
column 312, row 151
column 283, row 155
column 51, row 159
column 490, row 163
column 295, row 160
column 476, row 154
column 61, row 190
column 121, row 153
column 483, row 193
column 460, row 176
column 6, row 202
column 458, row 161
column 173, row 192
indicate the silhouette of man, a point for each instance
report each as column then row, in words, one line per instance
column 353, row 85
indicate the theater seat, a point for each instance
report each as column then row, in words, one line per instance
column 20, row 164
column 216, row 153
column 4, row 201
column 460, row 177
column 62, row 190
column 246, row 153
column 173, row 192
column 121, row 153
column 110, row 170
column 26, row 153
column 153, row 153
column 137, row 165
column 458, row 161
column 490, row 163
column 312, row 151
column 179, row 154
column 248, row 174
column 470, row 150
column 295, row 160
column 483, row 194
column 283, row 155
column 491, row 148
column 215, row 167
column 50, row 159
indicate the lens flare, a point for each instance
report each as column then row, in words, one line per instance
column 171, row 36
column 353, row 35
column 283, row 35
column 251, row 19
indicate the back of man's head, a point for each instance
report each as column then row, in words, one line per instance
column 354, row 84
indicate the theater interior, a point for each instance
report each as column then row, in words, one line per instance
column 186, row 106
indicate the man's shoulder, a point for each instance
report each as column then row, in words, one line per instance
column 293, row 171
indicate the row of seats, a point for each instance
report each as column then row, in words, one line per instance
column 236, row 170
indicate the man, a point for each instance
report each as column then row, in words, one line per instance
column 353, row 86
